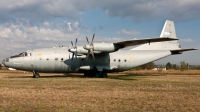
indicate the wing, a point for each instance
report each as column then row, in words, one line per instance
column 128, row 43
column 180, row 51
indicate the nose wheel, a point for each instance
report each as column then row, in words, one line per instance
column 36, row 75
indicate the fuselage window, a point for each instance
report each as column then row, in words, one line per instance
column 47, row 58
column 114, row 59
column 7, row 59
column 125, row 60
column 56, row 59
column 62, row 59
column 119, row 60
column 25, row 54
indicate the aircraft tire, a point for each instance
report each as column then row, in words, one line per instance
column 36, row 75
column 97, row 74
column 104, row 75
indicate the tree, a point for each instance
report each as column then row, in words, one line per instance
column 183, row 66
column 148, row 66
column 175, row 67
column 168, row 66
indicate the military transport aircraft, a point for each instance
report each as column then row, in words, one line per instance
column 105, row 57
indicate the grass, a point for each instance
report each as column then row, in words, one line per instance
column 132, row 91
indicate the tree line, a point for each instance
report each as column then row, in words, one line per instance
column 169, row 66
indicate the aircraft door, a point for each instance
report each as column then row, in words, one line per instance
column 58, row 62
column 58, row 65
column 29, row 61
column 38, row 62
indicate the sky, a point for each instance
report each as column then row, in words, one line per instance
column 33, row 24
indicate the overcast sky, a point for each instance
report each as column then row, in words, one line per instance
column 30, row 24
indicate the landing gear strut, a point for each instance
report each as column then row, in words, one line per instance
column 96, row 74
column 36, row 75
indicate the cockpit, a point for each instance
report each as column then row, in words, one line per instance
column 14, row 61
column 23, row 54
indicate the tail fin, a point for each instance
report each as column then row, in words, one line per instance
column 167, row 31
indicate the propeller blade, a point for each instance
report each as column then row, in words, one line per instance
column 75, row 54
column 76, row 42
column 69, row 58
column 93, row 38
column 72, row 56
column 92, row 53
column 72, row 44
column 88, row 54
column 87, row 40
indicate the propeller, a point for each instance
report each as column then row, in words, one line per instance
column 74, row 49
column 89, row 47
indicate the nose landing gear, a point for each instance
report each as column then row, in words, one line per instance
column 36, row 75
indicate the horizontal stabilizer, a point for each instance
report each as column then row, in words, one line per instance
column 180, row 51
column 134, row 42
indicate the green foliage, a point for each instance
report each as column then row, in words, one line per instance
column 183, row 66
column 168, row 66
column 175, row 67
column 148, row 66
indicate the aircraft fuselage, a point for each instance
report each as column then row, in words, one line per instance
column 59, row 60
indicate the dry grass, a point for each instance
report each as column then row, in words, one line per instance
column 163, row 72
column 119, row 92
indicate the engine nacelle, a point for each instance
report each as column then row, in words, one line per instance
column 81, row 50
column 104, row 47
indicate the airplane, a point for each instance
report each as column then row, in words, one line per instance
column 105, row 57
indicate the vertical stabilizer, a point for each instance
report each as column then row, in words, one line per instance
column 168, row 30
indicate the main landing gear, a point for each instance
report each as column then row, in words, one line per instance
column 96, row 74
column 36, row 75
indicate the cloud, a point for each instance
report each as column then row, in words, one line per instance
column 129, row 32
column 18, row 37
column 186, row 40
column 28, row 35
column 138, row 10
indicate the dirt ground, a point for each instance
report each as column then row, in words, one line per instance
column 127, row 91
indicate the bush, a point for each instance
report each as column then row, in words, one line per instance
column 183, row 66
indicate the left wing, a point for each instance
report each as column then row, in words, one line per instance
column 128, row 43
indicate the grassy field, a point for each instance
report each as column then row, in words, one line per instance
column 127, row 91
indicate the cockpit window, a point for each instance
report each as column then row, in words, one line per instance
column 21, row 55
column 29, row 54
column 26, row 54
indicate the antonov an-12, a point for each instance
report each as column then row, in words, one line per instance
column 98, row 59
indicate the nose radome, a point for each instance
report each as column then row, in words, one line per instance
column 3, row 62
